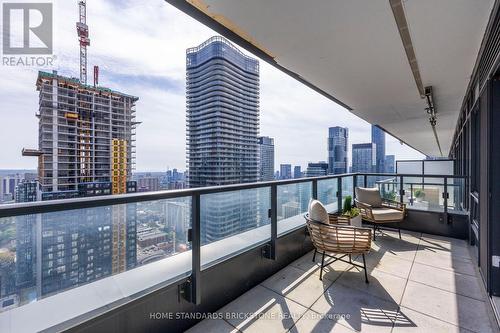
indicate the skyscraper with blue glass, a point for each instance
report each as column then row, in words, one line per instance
column 222, row 98
column 378, row 138
column 337, row 149
column 364, row 157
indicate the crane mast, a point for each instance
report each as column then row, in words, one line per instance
column 83, row 37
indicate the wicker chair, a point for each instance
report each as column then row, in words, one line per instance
column 375, row 209
column 332, row 239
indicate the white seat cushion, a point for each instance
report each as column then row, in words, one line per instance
column 370, row 196
column 317, row 212
column 387, row 214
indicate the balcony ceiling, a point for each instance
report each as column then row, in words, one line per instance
column 352, row 52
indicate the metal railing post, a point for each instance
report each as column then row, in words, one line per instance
column 339, row 194
column 401, row 190
column 270, row 249
column 354, row 184
column 315, row 189
column 445, row 200
column 194, row 282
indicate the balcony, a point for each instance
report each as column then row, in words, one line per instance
column 192, row 252
column 421, row 283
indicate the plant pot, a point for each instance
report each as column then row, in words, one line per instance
column 356, row 221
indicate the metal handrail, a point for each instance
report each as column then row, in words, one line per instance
column 16, row 209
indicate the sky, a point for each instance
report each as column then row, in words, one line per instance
column 140, row 48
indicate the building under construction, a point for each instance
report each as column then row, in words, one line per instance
column 86, row 136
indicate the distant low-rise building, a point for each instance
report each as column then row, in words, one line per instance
column 147, row 184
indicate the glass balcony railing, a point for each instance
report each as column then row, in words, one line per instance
column 56, row 247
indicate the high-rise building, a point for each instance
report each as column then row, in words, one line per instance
column 390, row 163
column 28, row 191
column 285, row 171
column 86, row 134
column 364, row 157
column 266, row 160
column 297, row 172
column 337, row 149
column 222, row 114
column 317, row 169
column 378, row 138
column 222, row 134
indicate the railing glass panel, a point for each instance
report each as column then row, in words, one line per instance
column 424, row 193
column 456, row 194
column 387, row 185
column 44, row 254
column 327, row 193
column 347, row 188
column 233, row 221
column 292, row 203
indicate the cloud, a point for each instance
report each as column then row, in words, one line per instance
column 140, row 49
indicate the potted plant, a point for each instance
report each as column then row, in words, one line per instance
column 351, row 212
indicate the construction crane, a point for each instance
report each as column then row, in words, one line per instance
column 83, row 37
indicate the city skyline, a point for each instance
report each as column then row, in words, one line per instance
column 139, row 67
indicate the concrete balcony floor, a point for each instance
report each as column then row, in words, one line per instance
column 421, row 283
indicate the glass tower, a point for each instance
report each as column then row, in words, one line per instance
column 337, row 149
column 222, row 114
column 364, row 157
column 222, row 135
column 266, row 149
column 378, row 138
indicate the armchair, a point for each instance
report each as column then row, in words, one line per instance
column 332, row 239
column 375, row 209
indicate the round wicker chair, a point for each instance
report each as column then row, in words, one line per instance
column 339, row 239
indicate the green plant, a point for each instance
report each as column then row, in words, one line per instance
column 390, row 195
column 348, row 210
column 351, row 213
column 347, row 204
column 419, row 193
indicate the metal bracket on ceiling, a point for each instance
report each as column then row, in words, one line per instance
column 432, row 112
